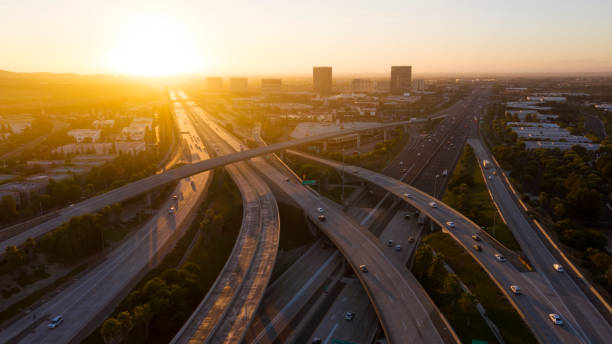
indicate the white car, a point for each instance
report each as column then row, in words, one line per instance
column 450, row 224
column 515, row 289
column 555, row 318
column 490, row 177
column 320, row 210
column 558, row 267
column 398, row 248
column 171, row 211
column 407, row 195
column 500, row 257
column 433, row 204
column 55, row 322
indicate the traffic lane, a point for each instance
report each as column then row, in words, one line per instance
column 421, row 200
column 397, row 309
column 80, row 302
column 357, row 330
column 575, row 304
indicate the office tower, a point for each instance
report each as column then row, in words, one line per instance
column 238, row 84
column 271, row 86
column 418, row 85
column 322, row 79
column 401, row 79
column 362, row 85
column 214, row 83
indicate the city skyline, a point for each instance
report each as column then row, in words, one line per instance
column 285, row 39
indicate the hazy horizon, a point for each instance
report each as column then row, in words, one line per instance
column 279, row 38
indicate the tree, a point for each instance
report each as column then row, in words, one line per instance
column 436, row 272
column 111, row 331
column 583, row 202
column 609, row 276
column 127, row 322
column 452, row 286
column 142, row 318
column 422, row 261
column 467, row 302
column 14, row 258
column 28, row 247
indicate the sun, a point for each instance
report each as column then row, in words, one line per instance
column 153, row 46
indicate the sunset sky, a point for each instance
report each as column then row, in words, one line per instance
column 284, row 37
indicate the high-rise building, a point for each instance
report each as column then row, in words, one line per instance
column 362, row 85
column 238, row 84
column 322, row 79
column 271, row 86
column 401, row 79
column 418, row 85
column 214, row 83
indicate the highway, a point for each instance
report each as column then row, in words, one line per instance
column 404, row 309
column 144, row 185
column 229, row 306
column 575, row 303
column 86, row 302
column 538, row 299
column 423, row 157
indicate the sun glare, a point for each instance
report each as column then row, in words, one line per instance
column 152, row 46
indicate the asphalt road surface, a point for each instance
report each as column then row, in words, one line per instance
column 539, row 297
column 589, row 322
column 228, row 308
column 83, row 304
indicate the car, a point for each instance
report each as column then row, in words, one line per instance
column 355, row 171
column 321, row 218
column 407, row 216
column 316, row 340
column 500, row 257
column 407, row 195
column 555, row 318
column 490, row 177
column 404, row 170
column 175, row 197
column 477, row 247
column 320, row 210
column 450, row 224
column 363, row 268
column 171, row 211
column 515, row 289
column 416, row 213
column 55, row 322
column 389, row 242
column 433, row 204
column 476, row 237
column 494, row 173
column 349, row 316
column 411, row 240
column 558, row 267
column 398, row 247
column 287, row 179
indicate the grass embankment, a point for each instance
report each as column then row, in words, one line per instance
column 166, row 295
column 468, row 194
column 512, row 327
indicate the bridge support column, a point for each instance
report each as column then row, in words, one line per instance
column 406, row 129
column 385, row 134
column 325, row 146
column 358, row 141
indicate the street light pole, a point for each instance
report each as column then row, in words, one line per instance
column 342, row 171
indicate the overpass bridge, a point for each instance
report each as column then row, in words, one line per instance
column 539, row 298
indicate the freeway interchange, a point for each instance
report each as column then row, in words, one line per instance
column 229, row 313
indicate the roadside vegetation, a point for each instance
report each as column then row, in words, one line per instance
column 165, row 298
column 565, row 190
column 458, row 306
column 468, row 194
